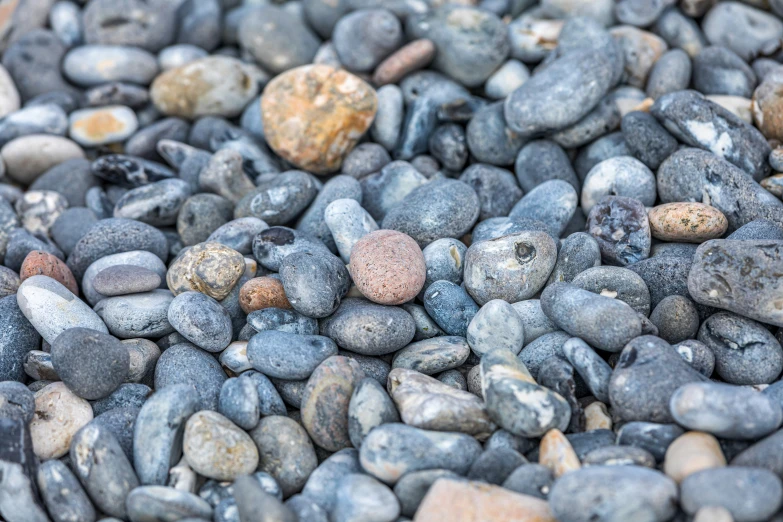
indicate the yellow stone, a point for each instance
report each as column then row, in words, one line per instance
column 314, row 115
column 557, row 454
column 691, row 452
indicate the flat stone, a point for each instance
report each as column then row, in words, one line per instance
column 125, row 279
column 137, row 315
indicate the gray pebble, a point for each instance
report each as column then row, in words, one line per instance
column 201, row 215
column 361, row 497
column 369, row 408
column 698, row 355
column 593, row 369
column 285, row 451
column 535, row 321
column 299, row 270
column 388, row 118
column 201, row 320
column 137, row 315
column 649, row 436
column 676, row 318
column 496, row 324
column 368, row 328
column 266, row 202
column 552, row 202
column 313, row 220
column 671, row 73
column 384, row 190
column 497, row 189
column 92, row 364
column 432, row 356
column 530, row 479
column 363, row 38
column 414, row 485
column 137, row 258
column 158, row 502
column 239, row 402
column 16, row 401
column 239, row 234
column 348, row 222
column 321, row 485
column 489, row 138
column 605, row 117
column 288, row 356
column 86, row 65
column 536, row 354
column 283, row 320
column 270, row 400
column 63, row 495
column 648, row 141
column 620, row 226
column 151, row 29
column 365, row 159
column 274, row 244
column 17, row 337
column 125, row 279
column 184, row 363
column 450, row 306
column 718, row 70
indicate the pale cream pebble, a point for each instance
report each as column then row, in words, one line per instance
column 59, row 414
column 691, row 452
column 597, row 417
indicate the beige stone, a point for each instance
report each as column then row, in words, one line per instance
column 686, row 222
column 210, row 268
column 217, row 448
column 462, row 501
column 27, row 157
column 597, row 417
column 713, row 514
column 691, row 452
column 557, row 454
column 59, row 414
column 315, row 114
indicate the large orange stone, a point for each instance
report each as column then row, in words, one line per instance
column 314, row 115
column 463, row 501
column 38, row 262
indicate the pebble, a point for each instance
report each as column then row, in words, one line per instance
column 364, row 38
column 210, row 268
column 92, row 364
column 200, row 215
column 150, row 502
column 749, row 494
column 387, row 267
column 496, row 188
column 552, row 202
column 367, row 328
column 201, row 320
column 650, row 436
column 38, row 119
column 450, row 306
column 125, row 279
column 489, row 138
column 636, row 391
column 262, row 292
column 287, row 355
column 590, row 366
column 361, row 497
column 408, row 58
column 713, row 280
column 313, row 219
column 103, row 469
column 725, row 411
column 557, row 454
column 392, row 450
column 496, row 324
column 690, row 453
column 602, row 492
column 92, row 127
column 519, row 266
column 617, row 283
column 39, row 263
column 446, row 409
column 686, row 222
column 138, row 258
column 745, row 351
column 210, row 86
column 698, row 355
column 283, row 320
column 676, row 318
column 620, row 226
column 216, row 448
column 319, row 140
column 326, row 399
column 137, row 315
column 432, row 356
column 578, row 252
column 62, row 494
column 277, row 201
column 285, row 452
column 39, row 209
column 298, row 270
column 27, row 157
column 59, row 414
column 185, row 364
column 370, row 407
column 348, row 223
column 33, row 62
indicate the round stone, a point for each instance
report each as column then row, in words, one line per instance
column 59, row 414
column 201, row 320
column 125, row 279
column 93, row 127
column 388, row 267
column 692, row 452
column 686, row 222
column 92, row 364
column 314, row 115
column 28, row 157
column 218, row 449
column 262, row 292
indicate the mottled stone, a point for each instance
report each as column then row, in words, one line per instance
column 216, row 448
column 209, row 268
column 63, row 495
column 125, row 279
column 620, row 226
column 59, row 414
column 285, row 452
column 432, row 356
column 686, row 222
column 496, row 324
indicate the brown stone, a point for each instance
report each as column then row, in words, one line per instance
column 557, row 454
column 691, row 452
column 388, row 267
column 314, row 115
column 210, row 268
column 463, row 501
column 262, row 292
column 38, row 262
column 686, row 222
column 774, row 184
column 210, row 86
column 767, row 107
column 411, row 57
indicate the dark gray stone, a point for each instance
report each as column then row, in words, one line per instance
column 368, row 328
column 92, row 364
column 186, row 364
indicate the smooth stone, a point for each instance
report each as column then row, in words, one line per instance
column 636, row 391
column 238, row 234
column 446, row 409
column 137, row 315
column 137, row 258
column 676, row 318
column 494, row 465
column 27, row 157
column 372, row 367
column 38, row 365
column 299, row 270
column 38, row 119
column 239, row 402
column 431, row 356
column 144, row 355
column 489, row 138
column 526, row 258
column 725, row 411
column 348, row 222
column 147, row 503
column 593, row 369
column 98, row 126
column 103, row 469
column 279, row 200
column 450, row 306
column 385, row 128
column 119, row 422
column 282, row 320
column 690, row 453
column 650, row 436
column 543, row 160
column 313, row 220
column 496, row 324
column 200, row 215
column 578, row 252
column 385, row 189
column 497, row 189
column 443, row 208
column 38, row 262
column 619, row 456
column 321, row 486
column 326, row 399
column 370, row 407
column 125, row 279
column 392, row 450
column 184, row 363
column 686, row 222
column 59, row 414
column 444, row 259
column 62, row 494
column 128, row 395
column 745, row 351
column 362, row 39
column 285, row 452
column 368, row 328
column 698, row 355
column 614, row 493
column 201, row 320
column 129, row 171
column 210, row 86
column 361, row 497
column 156, row 204
column 16, row 401
column 287, row 355
column 514, row 400
column 749, row 494
column 114, row 236
column 210, row 268
column 552, row 202
column 92, row 364
column 33, row 61
column 21, row 243
column 601, row 321
column 413, row 487
column 252, row 500
column 216, row 448
column 719, row 271
column 38, row 295
column 534, row 320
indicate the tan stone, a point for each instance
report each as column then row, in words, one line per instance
column 767, row 107
column 411, row 57
column 388, row 267
column 27, row 157
column 210, row 268
column 741, row 107
column 462, row 501
column 713, row 514
column 557, row 454
column 774, row 184
column 425, row 402
column 59, row 414
column 217, row 448
column 597, row 417
column 314, row 115
column 210, row 86
column 262, row 292
column 686, row 222
column 691, row 452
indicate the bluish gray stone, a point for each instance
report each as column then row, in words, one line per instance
column 186, row 364
column 269, row 397
column 414, row 485
column 287, row 355
column 552, row 202
column 266, row 203
column 156, row 204
column 201, row 320
column 128, row 395
column 530, row 479
column 298, row 272
column 384, row 190
column 450, row 306
column 489, row 138
column 496, row 324
column 432, row 356
column 137, row 315
column 313, row 220
column 368, row 328
column 272, row 245
column 749, row 494
column 63, row 495
column 239, row 402
column 534, row 319
column 538, row 352
column 650, row 436
column 17, row 337
column 718, row 70
column 282, row 320
column 497, row 189
column 670, row 73
column 159, row 502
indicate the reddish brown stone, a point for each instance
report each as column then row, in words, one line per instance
column 44, row 263
column 388, row 267
column 262, row 292
column 462, row 501
column 314, row 115
column 412, row 57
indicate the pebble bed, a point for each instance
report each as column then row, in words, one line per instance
column 391, row 261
